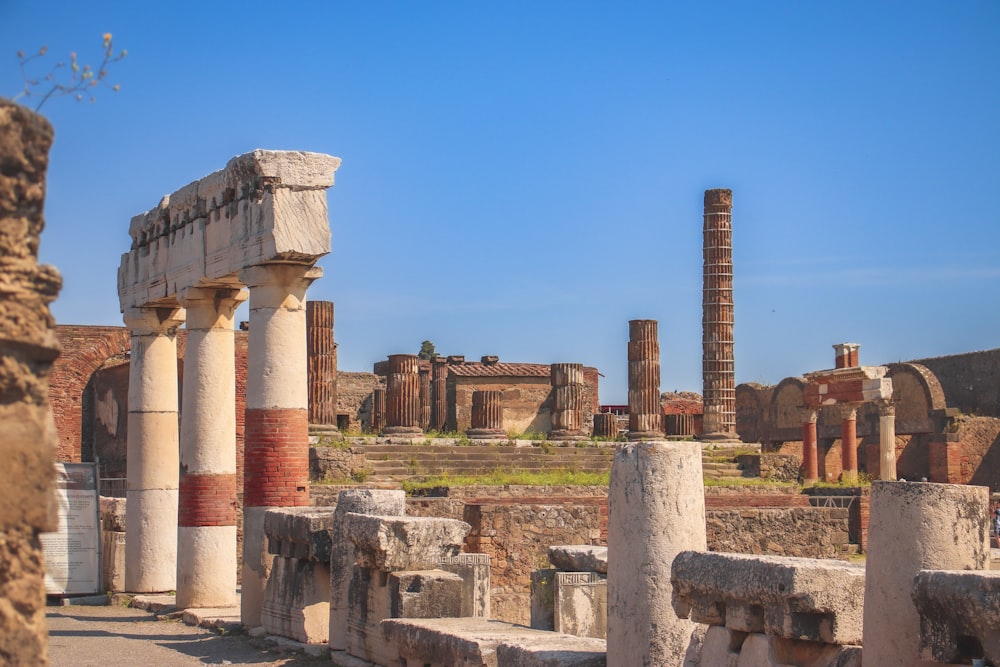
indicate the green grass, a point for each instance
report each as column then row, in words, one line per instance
column 747, row 481
column 504, row 478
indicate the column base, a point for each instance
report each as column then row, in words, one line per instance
column 567, row 435
column 486, row 434
column 402, row 430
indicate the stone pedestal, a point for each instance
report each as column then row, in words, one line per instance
column 887, row 441
column 849, row 444
column 206, row 518
column 402, row 396
column 606, row 425
column 152, row 451
column 487, row 415
column 656, row 510
column 810, row 453
column 276, row 453
column 915, row 526
column 718, row 365
column 321, row 351
column 567, row 402
column 645, row 421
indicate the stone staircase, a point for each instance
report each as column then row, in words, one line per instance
column 719, row 462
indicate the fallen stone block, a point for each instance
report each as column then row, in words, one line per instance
column 579, row 558
column 391, row 543
column 959, row 615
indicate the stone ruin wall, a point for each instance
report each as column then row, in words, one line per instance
column 28, row 347
column 971, row 381
column 354, row 398
column 527, row 403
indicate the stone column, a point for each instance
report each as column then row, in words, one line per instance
column 887, row 440
column 206, row 518
column 849, row 444
column 425, row 399
column 152, row 451
column 605, row 425
column 321, row 352
column 645, row 421
column 276, row 450
column 439, row 393
column 718, row 365
column 679, row 425
column 915, row 526
column 656, row 509
column 567, row 402
column 487, row 415
column 810, row 453
column 402, row 396
column 378, row 409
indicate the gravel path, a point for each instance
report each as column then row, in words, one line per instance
column 124, row 637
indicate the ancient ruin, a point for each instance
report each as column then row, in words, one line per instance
column 644, row 419
column 718, row 365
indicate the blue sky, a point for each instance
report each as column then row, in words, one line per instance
column 522, row 178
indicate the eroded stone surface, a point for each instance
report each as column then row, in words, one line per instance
column 300, row 532
column 390, row 543
column 793, row 598
column 579, row 558
column 955, row 607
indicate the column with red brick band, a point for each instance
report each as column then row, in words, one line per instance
column 206, row 517
column 402, row 396
column 849, row 443
column 810, row 451
column 718, row 365
column 152, row 451
column 276, row 449
column 567, row 402
column 645, row 421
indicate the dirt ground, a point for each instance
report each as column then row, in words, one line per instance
column 123, row 637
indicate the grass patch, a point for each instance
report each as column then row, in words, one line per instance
column 506, row 477
column 748, row 481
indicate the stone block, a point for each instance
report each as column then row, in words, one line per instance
column 113, row 560
column 390, row 543
column 793, row 598
column 579, row 558
column 543, row 599
column 299, row 532
column 425, row 594
column 721, row 647
column 581, row 604
column 474, row 569
column 959, row 615
column 112, row 514
column 760, row 650
column 297, row 600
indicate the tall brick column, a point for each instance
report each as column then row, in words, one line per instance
column 644, row 419
column 810, row 453
column 402, row 396
column 206, row 518
column 567, row 402
column 322, row 355
column 849, row 443
column 152, row 451
column 276, row 450
column 439, row 393
column 717, row 364
column 487, row 415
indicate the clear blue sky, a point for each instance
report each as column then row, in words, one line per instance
column 522, row 178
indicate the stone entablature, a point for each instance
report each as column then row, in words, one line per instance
column 841, row 386
column 264, row 207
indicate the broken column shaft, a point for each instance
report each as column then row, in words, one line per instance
column 402, row 396
column 322, row 354
column 567, row 402
column 718, row 366
column 644, row 419
column 487, row 414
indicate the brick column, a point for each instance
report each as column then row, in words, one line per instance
column 378, row 410
column 276, row 450
column 402, row 396
column 567, row 402
column 717, row 362
column 152, row 451
column 849, row 444
column 644, row 419
column 206, row 518
column 487, row 415
column 810, row 453
column 605, row 425
column 887, row 440
column 439, row 393
column 321, row 352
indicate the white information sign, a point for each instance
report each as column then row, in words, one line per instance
column 72, row 552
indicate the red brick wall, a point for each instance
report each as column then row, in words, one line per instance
column 207, row 500
column 277, row 458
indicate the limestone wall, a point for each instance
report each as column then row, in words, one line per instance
column 814, row 532
column 28, row 346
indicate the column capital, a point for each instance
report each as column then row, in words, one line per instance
column 886, row 408
column 209, row 307
column 849, row 412
column 154, row 321
column 279, row 285
column 809, row 415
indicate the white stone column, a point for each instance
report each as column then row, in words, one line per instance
column 276, row 443
column 887, row 440
column 915, row 526
column 656, row 510
column 206, row 532
column 151, row 450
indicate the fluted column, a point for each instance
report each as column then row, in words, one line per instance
column 206, row 518
column 568, row 402
column 276, row 451
column 605, row 425
column 887, row 440
column 425, row 399
column 678, row 425
column 487, row 415
column 402, row 396
column 152, row 450
column 849, row 443
column 718, row 365
column 378, row 409
column 810, row 453
column 439, row 392
column 645, row 421
column 321, row 352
